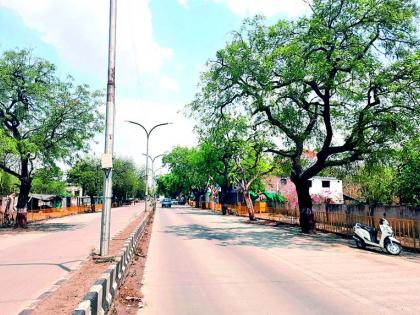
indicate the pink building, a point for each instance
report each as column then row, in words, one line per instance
column 323, row 189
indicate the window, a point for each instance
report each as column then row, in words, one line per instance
column 325, row 184
column 283, row 181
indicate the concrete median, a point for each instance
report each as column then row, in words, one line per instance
column 101, row 294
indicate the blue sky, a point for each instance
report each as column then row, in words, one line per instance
column 162, row 46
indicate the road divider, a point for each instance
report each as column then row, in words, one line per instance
column 102, row 293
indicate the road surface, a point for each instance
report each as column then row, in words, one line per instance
column 32, row 261
column 202, row 263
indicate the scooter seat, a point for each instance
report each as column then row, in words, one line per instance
column 372, row 232
column 367, row 228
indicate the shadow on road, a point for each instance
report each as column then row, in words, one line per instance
column 198, row 212
column 59, row 265
column 234, row 231
column 53, row 227
column 258, row 236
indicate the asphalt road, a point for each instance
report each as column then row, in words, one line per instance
column 32, row 261
column 202, row 263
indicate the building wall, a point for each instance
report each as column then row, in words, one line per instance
column 286, row 188
column 332, row 194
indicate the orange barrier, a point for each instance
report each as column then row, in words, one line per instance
column 60, row 212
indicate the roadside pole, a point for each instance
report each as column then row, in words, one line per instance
column 147, row 155
column 106, row 160
column 146, row 195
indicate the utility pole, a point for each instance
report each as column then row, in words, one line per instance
column 106, row 160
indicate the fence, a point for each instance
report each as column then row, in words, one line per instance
column 60, row 212
column 406, row 230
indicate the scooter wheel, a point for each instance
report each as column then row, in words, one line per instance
column 360, row 244
column 393, row 248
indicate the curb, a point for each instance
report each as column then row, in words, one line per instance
column 100, row 296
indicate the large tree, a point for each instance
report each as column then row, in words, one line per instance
column 235, row 154
column 343, row 81
column 87, row 174
column 220, row 142
column 43, row 119
column 127, row 181
column 188, row 169
column 49, row 180
column 250, row 165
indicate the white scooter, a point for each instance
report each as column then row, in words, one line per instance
column 367, row 235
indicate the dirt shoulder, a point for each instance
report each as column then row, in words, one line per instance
column 129, row 298
column 71, row 291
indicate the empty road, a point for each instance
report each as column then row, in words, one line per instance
column 32, row 261
column 202, row 263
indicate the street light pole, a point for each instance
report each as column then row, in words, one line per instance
column 147, row 154
column 109, row 133
column 153, row 163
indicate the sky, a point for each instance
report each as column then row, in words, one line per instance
column 162, row 47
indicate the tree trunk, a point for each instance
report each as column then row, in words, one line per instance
column 196, row 198
column 22, row 204
column 203, row 203
column 307, row 217
column 223, row 199
column 249, row 205
column 92, row 204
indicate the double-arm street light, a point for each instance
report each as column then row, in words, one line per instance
column 153, row 163
column 147, row 153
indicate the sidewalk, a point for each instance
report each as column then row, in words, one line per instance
column 32, row 261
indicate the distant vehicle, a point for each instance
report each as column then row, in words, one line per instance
column 166, row 203
column 174, row 201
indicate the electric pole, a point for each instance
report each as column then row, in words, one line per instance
column 106, row 160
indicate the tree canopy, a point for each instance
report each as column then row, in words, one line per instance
column 343, row 81
column 49, row 180
column 43, row 118
column 87, row 174
column 128, row 179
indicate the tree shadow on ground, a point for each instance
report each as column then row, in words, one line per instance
column 59, row 265
column 41, row 227
column 258, row 236
column 53, row 227
column 198, row 212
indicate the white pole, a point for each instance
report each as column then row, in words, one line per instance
column 109, row 133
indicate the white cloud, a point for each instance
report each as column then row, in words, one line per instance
column 78, row 30
column 130, row 140
column 269, row 8
column 168, row 83
column 184, row 3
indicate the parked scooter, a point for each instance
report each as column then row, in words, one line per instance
column 366, row 235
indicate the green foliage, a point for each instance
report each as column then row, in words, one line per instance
column 49, row 181
column 407, row 172
column 343, row 81
column 169, row 185
column 43, row 119
column 88, row 174
column 377, row 183
column 8, row 183
column 127, row 180
column 229, row 152
column 386, row 177
column 188, row 171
